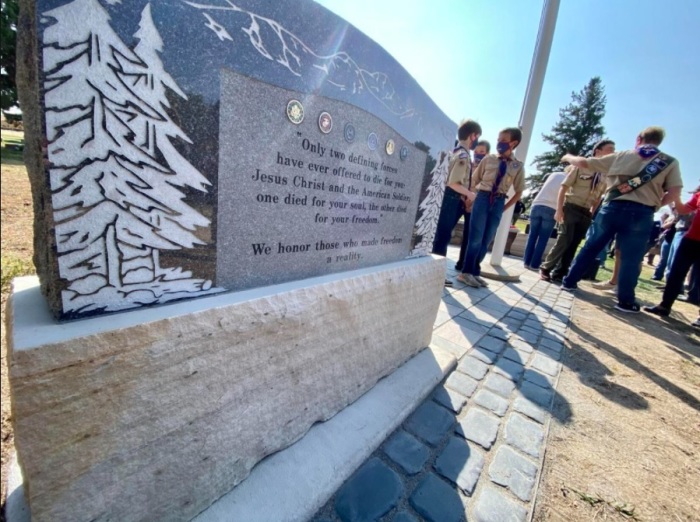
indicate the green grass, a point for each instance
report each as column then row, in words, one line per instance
column 10, row 156
column 12, row 267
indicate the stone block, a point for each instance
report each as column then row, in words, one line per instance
column 461, row 383
column 529, row 409
column 473, row 367
column 492, row 344
column 430, row 422
column 457, row 350
column 371, row 492
column 437, row 501
column 484, row 355
column 537, row 394
column 524, row 434
column 512, row 370
column 493, row 505
column 545, row 365
column 514, row 471
column 492, row 402
column 540, row 379
column 461, row 464
column 501, row 385
column 450, row 399
column 407, row 451
column 480, row 427
column 202, row 389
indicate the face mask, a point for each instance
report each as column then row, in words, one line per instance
column 478, row 158
column 473, row 145
column 502, row 147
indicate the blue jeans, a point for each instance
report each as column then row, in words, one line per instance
column 450, row 212
column 482, row 229
column 663, row 260
column 632, row 222
column 541, row 226
column 672, row 251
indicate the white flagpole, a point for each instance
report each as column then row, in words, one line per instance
column 545, row 35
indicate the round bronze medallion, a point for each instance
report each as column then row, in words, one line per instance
column 390, row 147
column 295, row 112
column 372, row 141
column 325, row 122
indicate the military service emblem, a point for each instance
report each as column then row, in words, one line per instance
column 295, row 112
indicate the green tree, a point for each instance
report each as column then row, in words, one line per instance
column 577, row 131
column 8, row 42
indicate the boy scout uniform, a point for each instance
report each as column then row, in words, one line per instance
column 460, row 167
column 459, row 170
column 630, row 214
column 585, row 188
column 621, row 166
column 486, row 173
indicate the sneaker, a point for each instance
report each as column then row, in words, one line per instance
column 544, row 275
column 686, row 299
column 696, row 323
column 481, row 281
column 570, row 289
column 468, row 280
column 628, row 308
column 657, row 310
column 604, row 285
column 448, row 282
column 612, row 291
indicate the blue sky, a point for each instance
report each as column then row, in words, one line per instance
column 473, row 58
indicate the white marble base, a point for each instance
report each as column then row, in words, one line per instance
column 156, row 415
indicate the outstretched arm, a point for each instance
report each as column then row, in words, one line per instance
column 673, row 196
column 576, row 161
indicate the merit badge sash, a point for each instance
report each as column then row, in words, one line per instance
column 649, row 172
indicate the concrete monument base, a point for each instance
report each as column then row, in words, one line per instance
column 155, row 414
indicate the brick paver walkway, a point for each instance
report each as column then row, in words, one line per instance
column 473, row 450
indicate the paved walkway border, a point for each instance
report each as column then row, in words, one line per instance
column 474, row 449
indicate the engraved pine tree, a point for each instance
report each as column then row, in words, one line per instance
column 113, row 200
column 155, row 134
column 430, row 206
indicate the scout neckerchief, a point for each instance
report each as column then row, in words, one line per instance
column 649, row 172
column 502, row 168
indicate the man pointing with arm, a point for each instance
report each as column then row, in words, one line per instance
column 638, row 182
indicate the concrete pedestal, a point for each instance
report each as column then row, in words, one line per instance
column 155, row 414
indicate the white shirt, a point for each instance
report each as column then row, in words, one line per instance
column 547, row 196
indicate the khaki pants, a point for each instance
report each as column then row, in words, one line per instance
column 571, row 233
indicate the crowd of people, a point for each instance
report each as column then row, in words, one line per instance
column 609, row 198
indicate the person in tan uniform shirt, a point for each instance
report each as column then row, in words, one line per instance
column 491, row 180
column 578, row 196
column 460, row 170
column 638, row 182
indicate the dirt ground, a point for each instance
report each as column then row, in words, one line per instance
column 632, row 448
column 17, row 240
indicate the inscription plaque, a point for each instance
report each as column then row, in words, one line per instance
column 296, row 202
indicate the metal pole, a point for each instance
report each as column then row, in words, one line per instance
column 545, row 35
